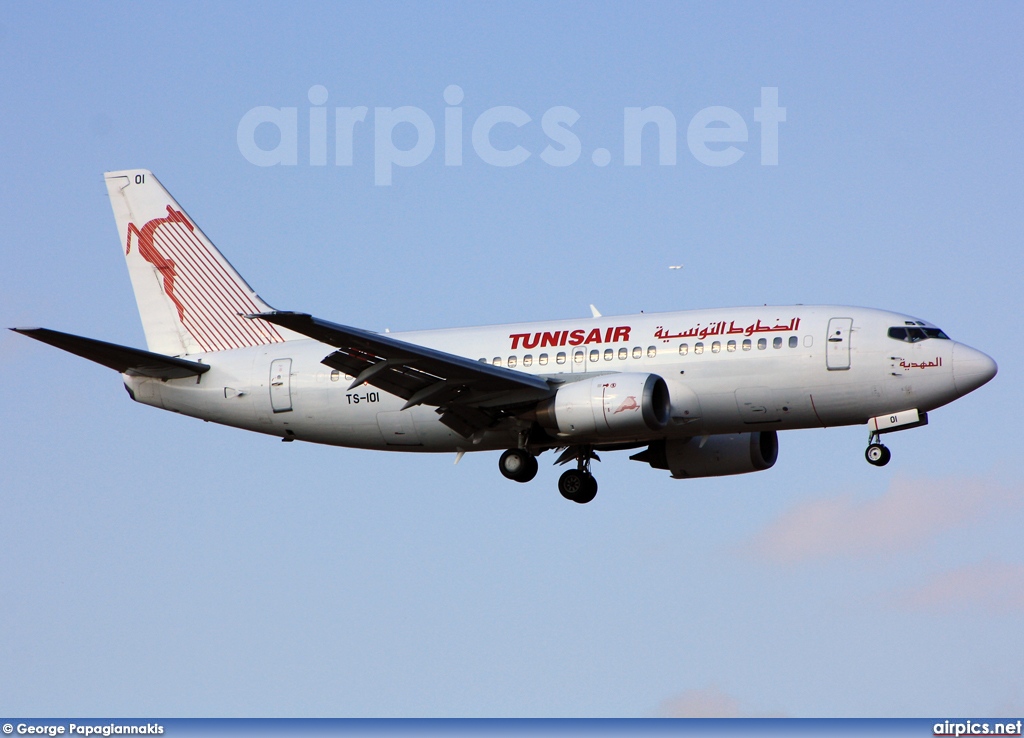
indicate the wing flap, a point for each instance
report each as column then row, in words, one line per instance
column 123, row 359
column 466, row 420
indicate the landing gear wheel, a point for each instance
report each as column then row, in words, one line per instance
column 518, row 465
column 589, row 492
column 577, row 486
column 877, row 454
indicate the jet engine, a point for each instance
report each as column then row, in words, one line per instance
column 734, row 453
column 626, row 404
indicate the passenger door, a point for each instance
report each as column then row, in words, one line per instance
column 837, row 346
column 281, row 385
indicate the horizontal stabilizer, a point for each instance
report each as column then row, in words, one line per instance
column 119, row 358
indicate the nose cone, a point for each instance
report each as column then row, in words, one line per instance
column 971, row 368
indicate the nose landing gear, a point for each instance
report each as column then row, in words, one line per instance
column 876, row 453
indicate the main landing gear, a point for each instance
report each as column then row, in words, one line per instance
column 577, row 485
column 877, row 454
column 518, row 465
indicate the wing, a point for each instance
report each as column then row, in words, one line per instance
column 469, row 395
column 120, row 358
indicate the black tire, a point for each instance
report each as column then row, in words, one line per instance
column 571, row 483
column 530, row 471
column 577, row 486
column 589, row 491
column 877, row 454
column 518, row 465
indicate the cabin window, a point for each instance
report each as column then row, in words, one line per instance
column 623, row 353
column 808, row 341
column 731, row 346
column 746, row 344
column 496, row 361
column 577, row 357
column 482, row 361
column 698, row 348
column 777, row 343
column 716, row 346
column 762, row 344
column 512, row 361
column 637, row 352
column 560, row 357
column 528, row 360
column 683, row 349
column 336, row 375
column 652, row 351
column 609, row 354
column 542, row 359
column 793, row 341
column 595, row 354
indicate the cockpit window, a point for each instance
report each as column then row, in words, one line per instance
column 913, row 335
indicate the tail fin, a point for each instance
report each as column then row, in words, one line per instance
column 191, row 300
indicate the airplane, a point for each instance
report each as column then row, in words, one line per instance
column 698, row 393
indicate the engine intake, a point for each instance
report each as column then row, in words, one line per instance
column 721, row 455
column 626, row 405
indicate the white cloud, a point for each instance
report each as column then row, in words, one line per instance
column 701, row 703
column 910, row 512
column 989, row 586
column 710, row 702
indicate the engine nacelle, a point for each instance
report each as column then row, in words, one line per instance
column 610, row 405
column 734, row 453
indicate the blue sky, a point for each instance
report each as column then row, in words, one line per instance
column 155, row 565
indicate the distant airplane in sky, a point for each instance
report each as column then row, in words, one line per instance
column 701, row 392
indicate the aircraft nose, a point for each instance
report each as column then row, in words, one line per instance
column 971, row 368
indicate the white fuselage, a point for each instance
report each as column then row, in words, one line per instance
column 728, row 370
